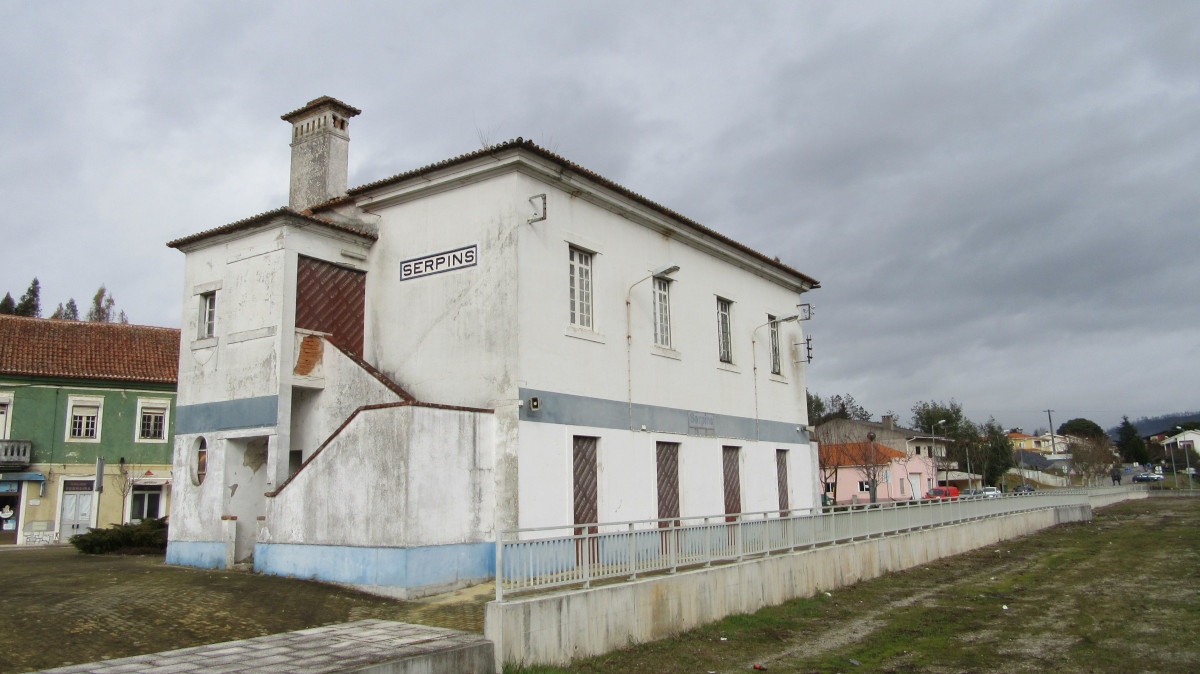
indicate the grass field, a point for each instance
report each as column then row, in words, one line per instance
column 1118, row 594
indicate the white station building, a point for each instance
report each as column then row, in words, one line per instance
column 375, row 382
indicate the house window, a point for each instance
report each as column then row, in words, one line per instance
column 724, row 338
column 3, row 420
column 864, row 485
column 152, row 419
column 581, row 288
column 208, row 314
column 83, row 418
column 662, row 313
column 200, row 467
column 773, row 327
column 829, row 486
column 144, row 503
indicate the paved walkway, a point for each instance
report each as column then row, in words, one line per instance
column 362, row 646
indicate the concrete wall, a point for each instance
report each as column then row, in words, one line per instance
column 560, row 627
column 400, row 502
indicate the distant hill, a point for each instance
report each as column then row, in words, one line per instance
column 1149, row 425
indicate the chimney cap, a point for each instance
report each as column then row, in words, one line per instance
column 317, row 103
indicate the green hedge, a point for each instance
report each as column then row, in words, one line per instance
column 150, row 536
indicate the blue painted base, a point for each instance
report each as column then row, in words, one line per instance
column 409, row 568
column 204, row 554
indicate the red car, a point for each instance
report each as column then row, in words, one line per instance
column 943, row 494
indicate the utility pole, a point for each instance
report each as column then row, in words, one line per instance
column 1053, row 447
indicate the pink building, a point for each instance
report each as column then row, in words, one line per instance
column 846, row 472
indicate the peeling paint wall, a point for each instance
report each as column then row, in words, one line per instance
column 394, row 477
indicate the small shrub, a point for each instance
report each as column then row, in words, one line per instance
column 147, row 537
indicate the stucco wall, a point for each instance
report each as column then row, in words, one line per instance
column 394, row 477
column 627, row 474
column 556, row 357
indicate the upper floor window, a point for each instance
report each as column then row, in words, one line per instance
column 581, row 288
column 208, row 314
column 662, row 312
column 724, row 338
column 773, row 328
column 84, row 414
column 152, row 419
column 5, row 406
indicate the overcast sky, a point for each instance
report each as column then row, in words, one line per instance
column 1000, row 199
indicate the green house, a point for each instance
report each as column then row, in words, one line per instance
column 86, row 425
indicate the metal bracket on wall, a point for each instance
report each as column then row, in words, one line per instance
column 538, row 201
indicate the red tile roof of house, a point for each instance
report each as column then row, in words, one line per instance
column 857, row 454
column 44, row 347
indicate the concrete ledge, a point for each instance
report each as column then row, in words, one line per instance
column 366, row 646
column 559, row 627
column 403, row 573
column 203, row 554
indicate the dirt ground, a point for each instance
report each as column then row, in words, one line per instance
column 1118, row 594
column 61, row 607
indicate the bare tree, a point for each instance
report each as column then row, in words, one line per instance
column 1091, row 457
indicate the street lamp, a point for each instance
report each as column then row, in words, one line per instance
column 754, row 362
column 933, row 447
column 1186, row 457
column 874, row 467
column 1173, row 470
column 661, row 272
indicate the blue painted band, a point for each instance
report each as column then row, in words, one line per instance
column 202, row 554
column 567, row 409
column 227, row 415
column 395, row 567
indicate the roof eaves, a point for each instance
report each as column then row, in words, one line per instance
column 262, row 218
column 530, row 146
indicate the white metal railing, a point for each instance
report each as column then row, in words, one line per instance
column 547, row 557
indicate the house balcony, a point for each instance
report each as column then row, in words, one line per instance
column 14, row 454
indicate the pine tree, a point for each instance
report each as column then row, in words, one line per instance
column 31, row 302
column 7, row 305
column 69, row 312
column 103, row 306
column 1130, row 444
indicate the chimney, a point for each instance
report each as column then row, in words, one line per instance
column 889, row 422
column 320, row 151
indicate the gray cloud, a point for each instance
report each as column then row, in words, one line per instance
column 997, row 196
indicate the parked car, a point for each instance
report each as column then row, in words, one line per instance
column 1148, row 477
column 972, row 493
column 943, row 494
column 990, row 492
column 1024, row 489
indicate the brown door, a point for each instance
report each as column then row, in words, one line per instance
column 586, row 509
column 781, row 479
column 733, row 482
column 668, row 482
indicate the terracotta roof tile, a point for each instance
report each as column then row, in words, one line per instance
column 43, row 347
column 348, row 110
column 530, row 146
column 854, row 453
column 261, row 218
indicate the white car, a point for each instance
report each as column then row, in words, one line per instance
column 990, row 492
